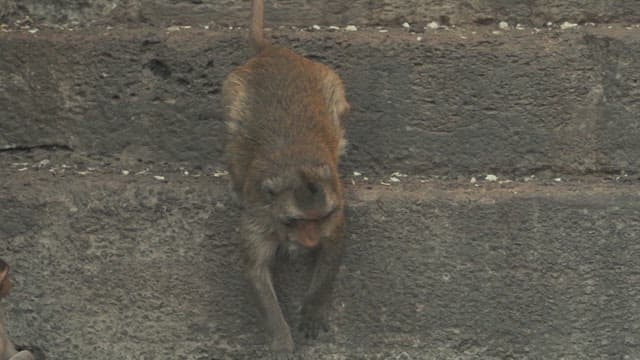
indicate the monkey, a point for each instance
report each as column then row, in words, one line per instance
column 7, row 349
column 284, row 116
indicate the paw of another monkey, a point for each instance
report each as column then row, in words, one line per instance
column 311, row 326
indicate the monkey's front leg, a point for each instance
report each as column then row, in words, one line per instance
column 318, row 296
column 259, row 255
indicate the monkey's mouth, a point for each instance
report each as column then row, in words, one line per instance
column 305, row 233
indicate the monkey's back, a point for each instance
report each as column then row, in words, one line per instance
column 280, row 107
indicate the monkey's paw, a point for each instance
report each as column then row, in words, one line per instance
column 278, row 355
column 311, row 326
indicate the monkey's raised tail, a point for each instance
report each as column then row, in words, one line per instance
column 256, row 31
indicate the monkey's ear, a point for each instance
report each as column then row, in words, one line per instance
column 333, row 91
column 268, row 188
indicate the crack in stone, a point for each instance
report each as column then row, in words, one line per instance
column 28, row 148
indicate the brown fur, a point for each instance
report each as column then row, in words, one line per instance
column 7, row 349
column 284, row 116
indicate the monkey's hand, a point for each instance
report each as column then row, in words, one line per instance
column 312, row 323
column 282, row 348
column 281, row 356
column 23, row 355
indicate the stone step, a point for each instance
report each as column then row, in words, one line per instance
column 136, row 266
column 327, row 12
column 462, row 101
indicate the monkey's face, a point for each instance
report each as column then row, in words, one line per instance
column 304, row 204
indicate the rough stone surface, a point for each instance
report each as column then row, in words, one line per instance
column 112, row 266
column 460, row 102
column 326, row 12
column 114, row 207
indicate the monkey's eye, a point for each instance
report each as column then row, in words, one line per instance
column 313, row 188
column 290, row 221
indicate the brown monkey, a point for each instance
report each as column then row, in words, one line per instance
column 284, row 115
column 7, row 350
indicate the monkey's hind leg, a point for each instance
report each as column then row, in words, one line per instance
column 318, row 296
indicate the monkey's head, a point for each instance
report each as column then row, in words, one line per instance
column 303, row 202
column 5, row 282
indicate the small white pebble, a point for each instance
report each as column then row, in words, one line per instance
column 433, row 25
column 351, row 28
column 173, row 28
column 419, row 38
column 549, row 24
column 567, row 25
column 609, row 27
column 384, row 183
column 519, row 27
column 83, row 172
column 333, row 27
column 383, row 30
column 491, row 177
column 503, row 25
column 356, row 173
column 186, row 172
column 473, row 180
column 406, row 25
column 220, row 173
column 394, row 179
column 399, row 174
column 496, row 32
column 158, row 177
column 33, row 31
column 365, row 178
column 316, row 27
column 206, row 27
column 125, row 172
column 23, row 169
column 557, row 179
